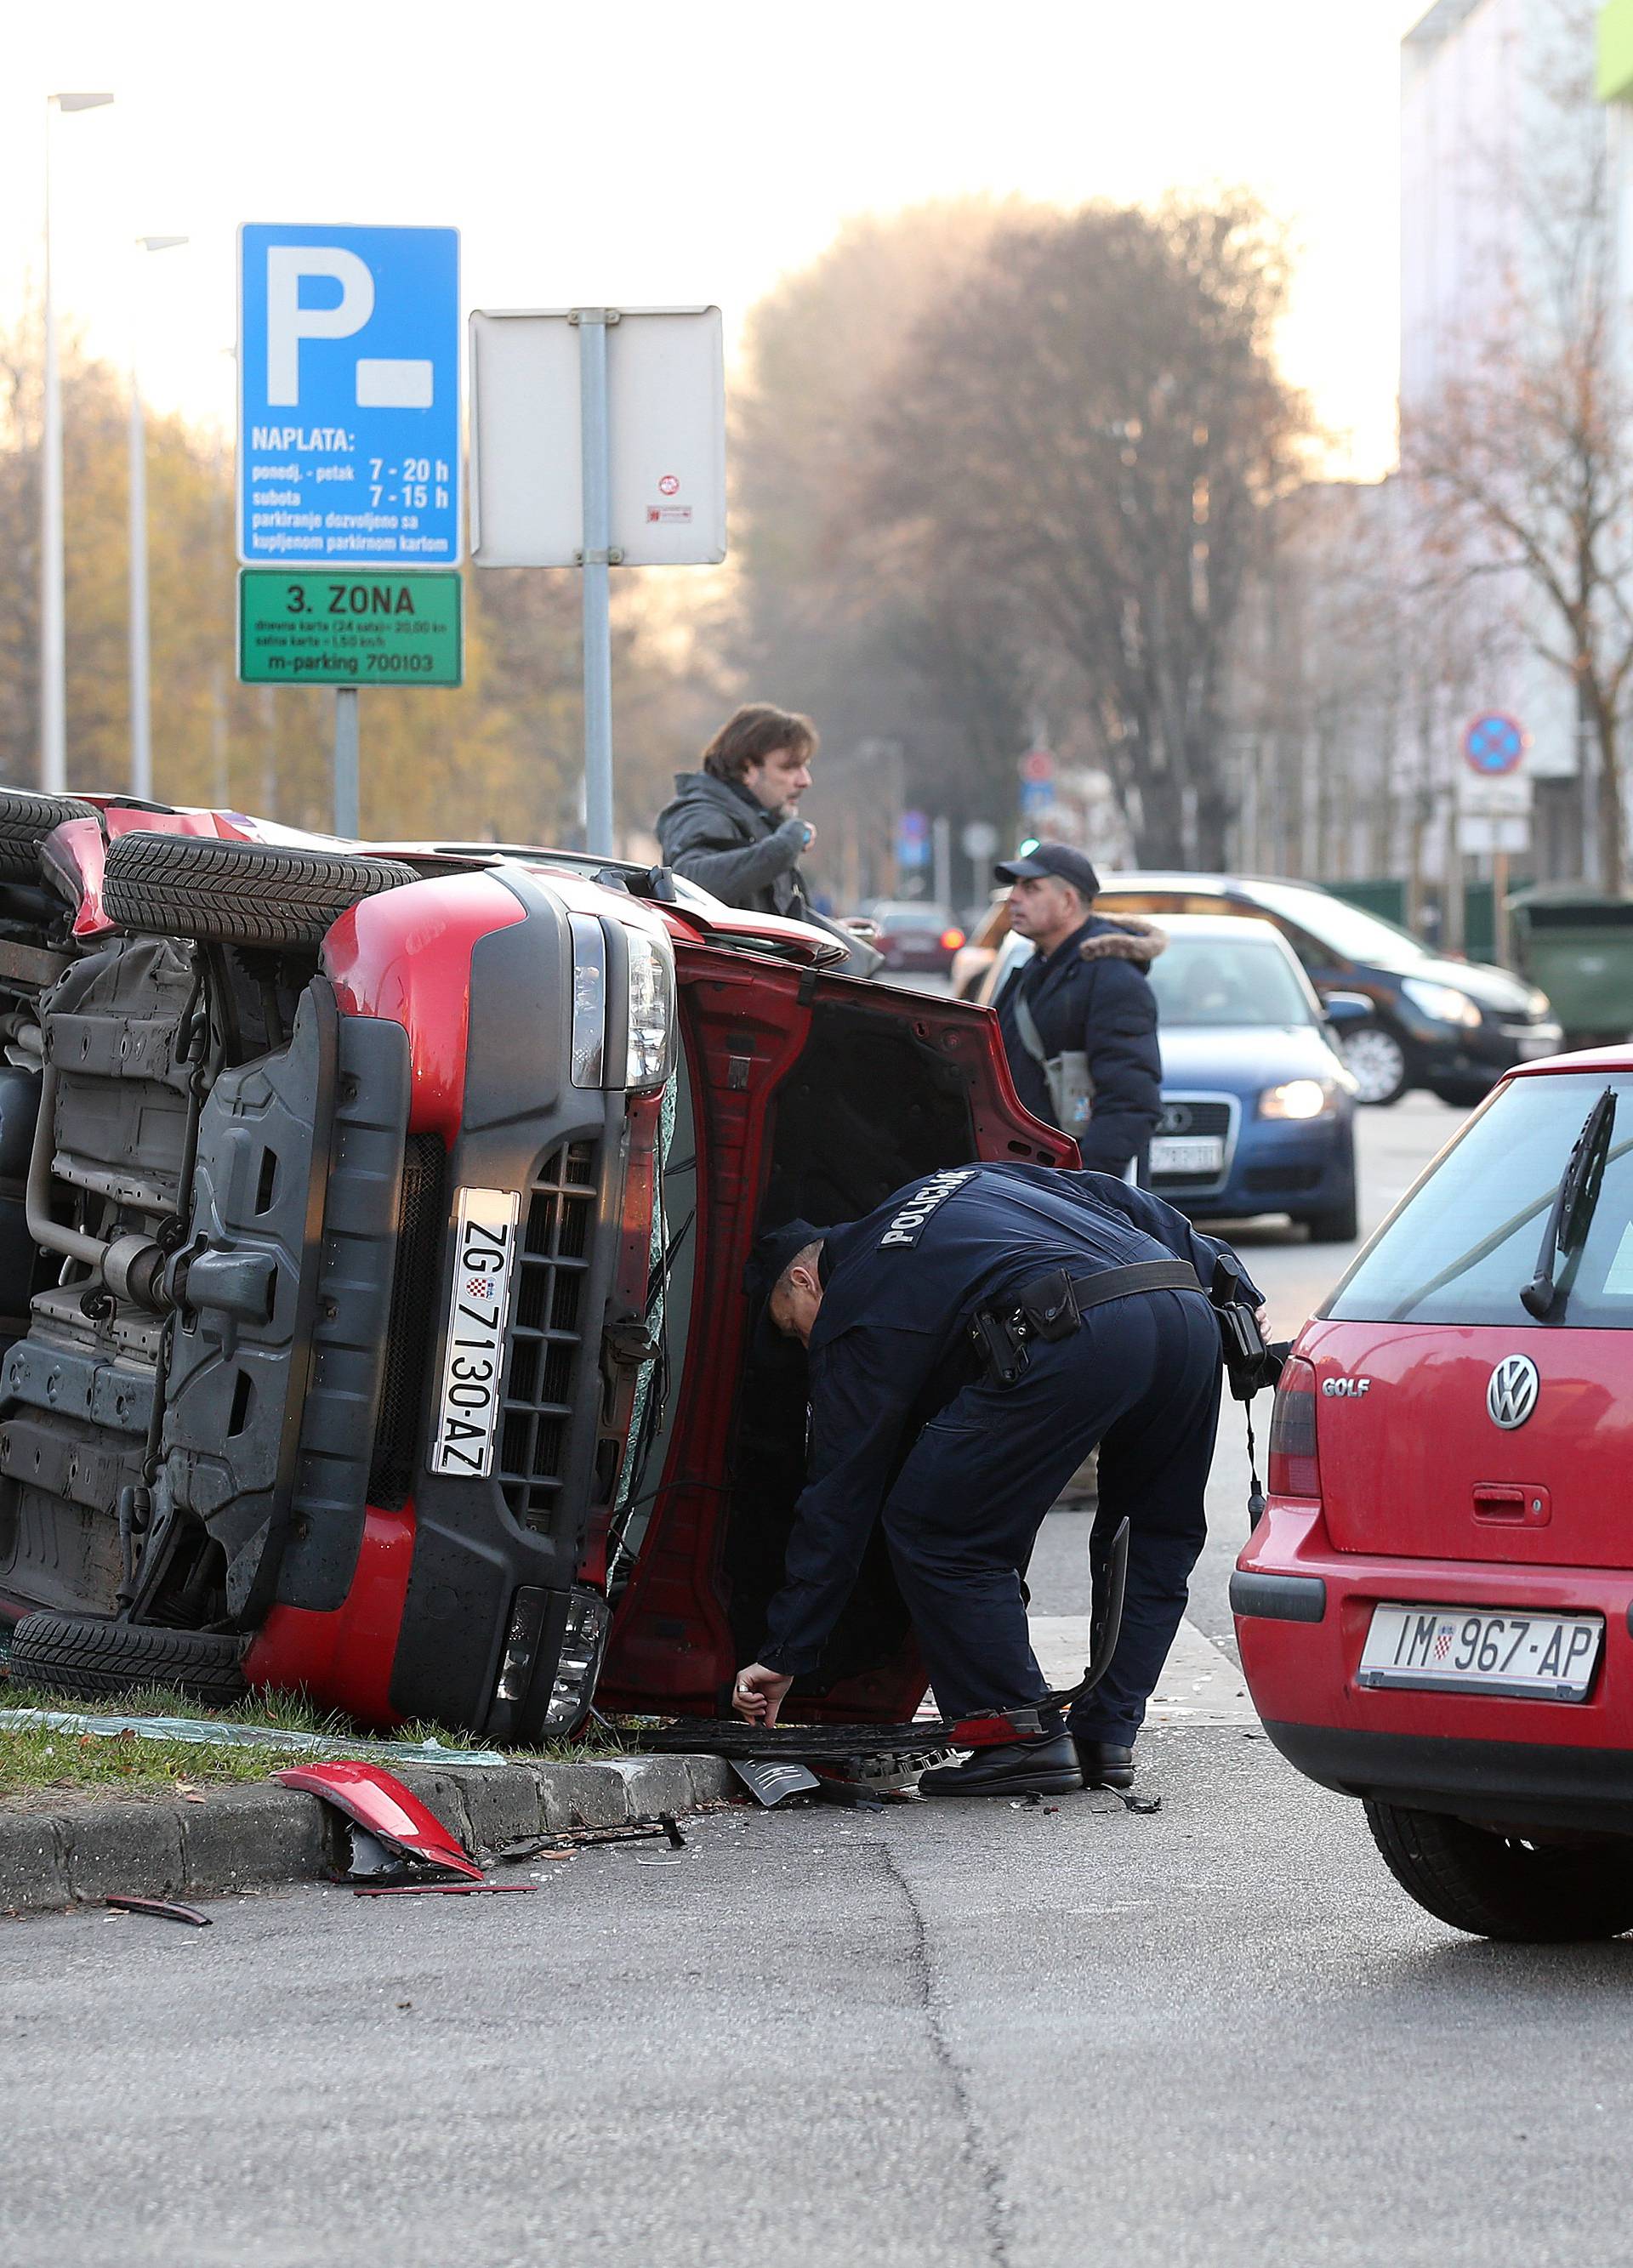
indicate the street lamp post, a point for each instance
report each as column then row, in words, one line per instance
column 141, row 712
column 53, row 690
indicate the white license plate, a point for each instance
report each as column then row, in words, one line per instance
column 1195, row 1153
column 1548, row 1044
column 484, row 1263
column 1459, row 1649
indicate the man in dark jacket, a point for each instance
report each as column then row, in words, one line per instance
column 961, row 1461
column 734, row 827
column 1084, row 995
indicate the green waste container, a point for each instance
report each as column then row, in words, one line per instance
column 1578, row 945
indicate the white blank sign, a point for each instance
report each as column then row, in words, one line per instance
column 666, row 435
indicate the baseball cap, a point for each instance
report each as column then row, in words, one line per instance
column 1057, row 858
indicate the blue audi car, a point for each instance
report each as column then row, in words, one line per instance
column 1257, row 1111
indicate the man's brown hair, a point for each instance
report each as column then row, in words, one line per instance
column 748, row 736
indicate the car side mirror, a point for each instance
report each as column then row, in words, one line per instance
column 1345, row 1010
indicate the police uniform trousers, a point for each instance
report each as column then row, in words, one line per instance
column 1141, row 1376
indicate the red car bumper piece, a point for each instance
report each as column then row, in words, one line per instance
column 393, row 1813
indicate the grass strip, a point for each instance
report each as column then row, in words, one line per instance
column 36, row 1758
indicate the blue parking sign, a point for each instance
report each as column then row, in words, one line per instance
column 349, row 418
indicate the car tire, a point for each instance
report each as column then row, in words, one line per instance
column 90, row 1659
column 1376, row 1060
column 1340, row 1224
column 24, row 822
column 1500, row 1886
column 227, row 893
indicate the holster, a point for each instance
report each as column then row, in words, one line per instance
column 1052, row 1306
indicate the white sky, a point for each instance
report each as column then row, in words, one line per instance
column 648, row 153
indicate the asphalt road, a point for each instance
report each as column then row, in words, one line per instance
column 934, row 2037
column 954, row 2035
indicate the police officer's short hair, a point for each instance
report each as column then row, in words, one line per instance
column 808, row 1256
column 751, row 733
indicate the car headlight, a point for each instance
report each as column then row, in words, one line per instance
column 578, row 1666
column 1299, row 1098
column 1539, row 1004
column 589, row 1000
column 652, row 1009
column 644, row 966
column 1443, row 1003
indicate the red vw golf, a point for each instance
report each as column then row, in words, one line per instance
column 1436, row 1609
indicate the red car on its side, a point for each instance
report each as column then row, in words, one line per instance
column 1436, row 1609
column 373, row 1225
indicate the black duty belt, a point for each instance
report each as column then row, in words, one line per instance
column 1050, row 1307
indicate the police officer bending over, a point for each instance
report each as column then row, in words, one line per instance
column 970, row 1342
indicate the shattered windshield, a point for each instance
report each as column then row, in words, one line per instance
column 1464, row 1244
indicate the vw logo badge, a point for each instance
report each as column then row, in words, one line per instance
column 1176, row 1118
column 1511, row 1394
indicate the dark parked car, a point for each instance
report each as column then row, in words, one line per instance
column 915, row 933
column 1454, row 1027
column 372, row 1226
column 1257, row 1110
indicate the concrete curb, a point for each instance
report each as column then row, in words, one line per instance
column 250, row 1837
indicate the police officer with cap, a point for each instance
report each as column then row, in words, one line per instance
column 1079, row 1018
column 970, row 1342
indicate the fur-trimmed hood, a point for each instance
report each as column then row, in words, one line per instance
column 1124, row 937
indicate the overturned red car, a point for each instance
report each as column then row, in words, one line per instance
column 372, row 1233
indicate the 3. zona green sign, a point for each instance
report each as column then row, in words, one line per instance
column 327, row 627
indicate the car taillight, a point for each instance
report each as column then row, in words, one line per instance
column 1294, row 1464
column 951, row 939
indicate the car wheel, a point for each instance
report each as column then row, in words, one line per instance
column 90, row 1659
column 237, row 893
column 1376, row 1060
column 1502, row 1886
column 25, row 822
column 1340, row 1224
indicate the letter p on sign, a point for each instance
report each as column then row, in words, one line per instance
column 288, row 322
column 381, row 383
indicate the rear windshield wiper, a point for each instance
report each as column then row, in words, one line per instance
column 1572, row 1212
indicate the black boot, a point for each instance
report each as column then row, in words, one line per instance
column 1106, row 1763
column 1045, row 1767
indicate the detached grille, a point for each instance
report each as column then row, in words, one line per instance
column 546, row 1330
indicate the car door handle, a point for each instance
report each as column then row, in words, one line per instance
column 1503, row 1504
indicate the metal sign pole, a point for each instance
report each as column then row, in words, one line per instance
column 595, row 558
column 347, row 822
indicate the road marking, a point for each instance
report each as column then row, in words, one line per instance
column 1200, row 1683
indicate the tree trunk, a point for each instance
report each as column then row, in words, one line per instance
column 1612, row 817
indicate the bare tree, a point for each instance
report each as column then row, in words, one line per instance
column 1522, row 462
column 877, row 637
column 1092, row 429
